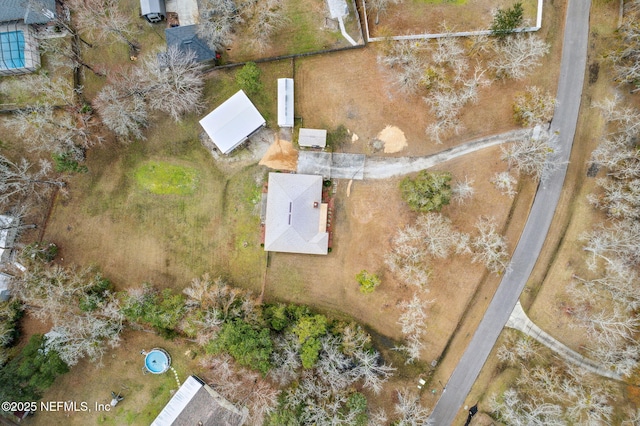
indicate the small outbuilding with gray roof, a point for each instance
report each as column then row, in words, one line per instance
column 312, row 138
column 296, row 218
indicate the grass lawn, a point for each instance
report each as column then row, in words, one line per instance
column 428, row 16
column 309, row 29
column 163, row 178
column 144, row 394
column 163, row 209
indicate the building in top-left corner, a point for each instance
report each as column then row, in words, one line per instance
column 18, row 45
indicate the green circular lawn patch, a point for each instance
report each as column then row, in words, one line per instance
column 163, row 178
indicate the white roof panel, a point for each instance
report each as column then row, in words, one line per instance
column 285, row 102
column 178, row 402
column 312, row 138
column 232, row 122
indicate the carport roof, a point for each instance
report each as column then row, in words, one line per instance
column 232, row 122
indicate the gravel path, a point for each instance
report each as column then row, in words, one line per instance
column 386, row 167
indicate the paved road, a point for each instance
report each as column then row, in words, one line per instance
column 572, row 69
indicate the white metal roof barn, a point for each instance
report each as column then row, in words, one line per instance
column 233, row 122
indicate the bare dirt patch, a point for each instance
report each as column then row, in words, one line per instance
column 393, row 139
column 281, row 155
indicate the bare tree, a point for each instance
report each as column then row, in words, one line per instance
column 405, row 63
column 217, row 21
column 52, row 90
column 552, row 395
column 619, row 156
column 409, row 409
column 377, row 418
column 489, row 247
column 242, row 387
column 413, row 320
column 518, row 348
column 46, row 129
column 620, row 198
column 517, row 55
column 81, row 335
column 64, row 53
column 285, row 359
column 513, row 411
column 264, row 19
column 432, row 235
column 380, row 6
column 626, row 56
column 462, row 190
column 534, row 107
column 54, row 294
column 125, row 115
column 19, row 182
column 105, row 19
column 174, row 84
column 619, row 241
column 505, row 182
column 618, row 282
column 535, row 154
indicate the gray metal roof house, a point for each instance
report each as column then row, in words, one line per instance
column 296, row 217
column 196, row 403
column 20, row 10
column 18, row 46
column 185, row 38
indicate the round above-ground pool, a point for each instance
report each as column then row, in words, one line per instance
column 157, row 361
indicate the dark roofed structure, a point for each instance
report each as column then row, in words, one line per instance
column 185, row 38
column 196, row 403
column 19, row 10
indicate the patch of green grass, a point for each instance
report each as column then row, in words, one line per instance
column 164, row 178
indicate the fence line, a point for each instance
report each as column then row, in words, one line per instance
column 443, row 35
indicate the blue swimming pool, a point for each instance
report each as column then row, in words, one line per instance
column 12, row 50
column 157, row 361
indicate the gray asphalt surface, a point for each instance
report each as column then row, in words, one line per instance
column 573, row 65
